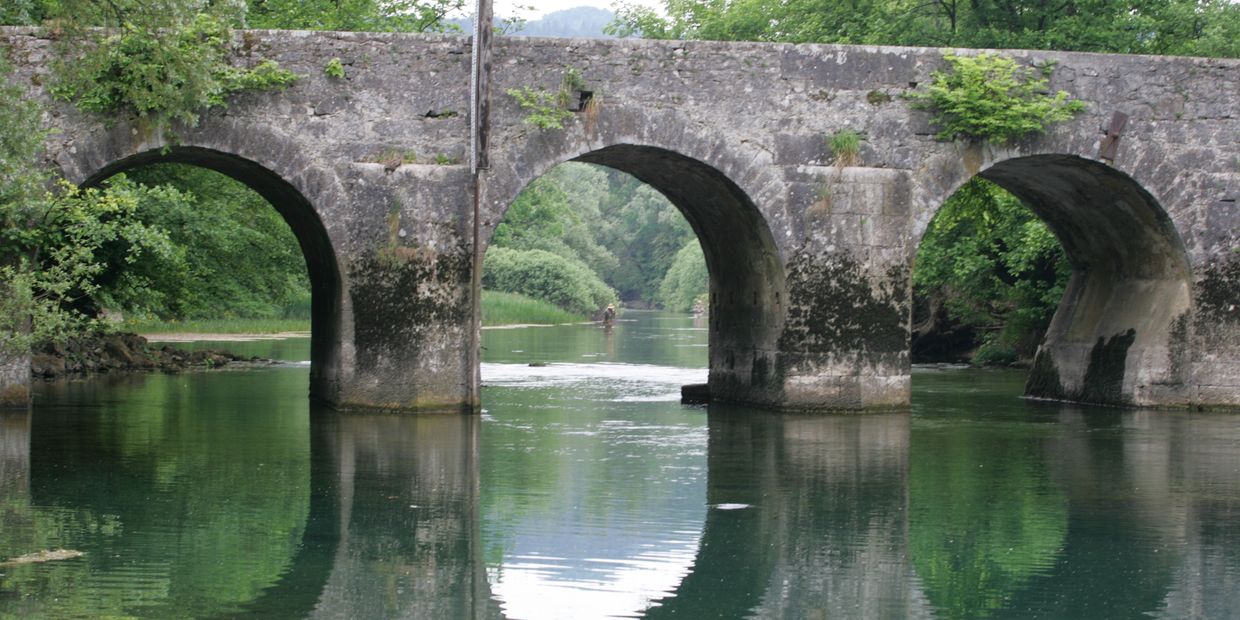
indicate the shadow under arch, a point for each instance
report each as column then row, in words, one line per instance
column 300, row 214
column 747, row 281
column 1122, row 322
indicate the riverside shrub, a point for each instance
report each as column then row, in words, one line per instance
column 542, row 275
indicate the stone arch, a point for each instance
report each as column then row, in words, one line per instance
column 302, row 217
column 747, row 278
column 1120, row 332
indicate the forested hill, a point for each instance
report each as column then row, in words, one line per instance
column 584, row 22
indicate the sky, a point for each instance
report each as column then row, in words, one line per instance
column 505, row 8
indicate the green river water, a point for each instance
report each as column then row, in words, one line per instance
column 585, row 490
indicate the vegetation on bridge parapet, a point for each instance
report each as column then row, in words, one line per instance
column 550, row 110
column 334, row 69
column 162, row 74
column 991, row 97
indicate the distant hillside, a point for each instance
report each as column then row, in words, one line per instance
column 580, row 22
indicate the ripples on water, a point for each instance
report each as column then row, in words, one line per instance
column 586, row 491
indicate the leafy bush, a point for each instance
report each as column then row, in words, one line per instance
column 687, row 280
column 545, row 109
column 991, row 97
column 334, row 69
column 163, row 73
column 542, row 275
column 234, row 256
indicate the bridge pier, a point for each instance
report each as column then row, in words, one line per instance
column 15, row 382
column 408, row 280
column 844, row 342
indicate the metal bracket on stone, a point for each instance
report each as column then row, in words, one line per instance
column 1109, row 146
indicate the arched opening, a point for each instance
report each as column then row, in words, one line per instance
column 1119, row 333
column 299, row 214
column 747, row 287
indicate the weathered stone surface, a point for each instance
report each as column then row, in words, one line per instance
column 15, row 382
column 810, row 263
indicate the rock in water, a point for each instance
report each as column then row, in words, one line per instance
column 42, row 556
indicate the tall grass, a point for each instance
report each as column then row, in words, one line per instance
column 218, row 326
column 515, row 309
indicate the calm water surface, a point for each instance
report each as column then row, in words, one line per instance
column 586, row 490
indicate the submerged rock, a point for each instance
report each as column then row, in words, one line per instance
column 121, row 352
column 49, row 555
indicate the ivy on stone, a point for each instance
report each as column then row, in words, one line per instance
column 990, row 97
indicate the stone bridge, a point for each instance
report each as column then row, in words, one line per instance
column 810, row 262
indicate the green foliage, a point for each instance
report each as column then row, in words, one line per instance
column 545, row 109
column 995, row 266
column 49, row 240
column 163, row 74
column 625, row 231
column 354, row 15
column 516, row 309
column 51, row 268
column 443, row 159
column 536, row 273
column 991, row 97
column 548, row 216
column 845, row 146
column 334, row 69
column 234, row 256
column 1186, row 27
column 687, row 281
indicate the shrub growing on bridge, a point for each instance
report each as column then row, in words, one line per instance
column 542, row 275
column 991, row 97
column 163, row 73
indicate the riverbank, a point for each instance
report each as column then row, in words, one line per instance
column 179, row 337
column 120, row 353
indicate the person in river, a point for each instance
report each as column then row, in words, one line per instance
column 609, row 315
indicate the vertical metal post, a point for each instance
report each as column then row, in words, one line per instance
column 480, row 87
column 479, row 121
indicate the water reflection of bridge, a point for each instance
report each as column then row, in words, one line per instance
column 839, row 522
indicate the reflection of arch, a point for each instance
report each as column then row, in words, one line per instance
column 819, row 523
column 747, row 277
column 302, row 218
column 1122, row 318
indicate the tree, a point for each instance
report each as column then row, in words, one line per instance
column 992, row 266
column 50, row 239
column 355, row 15
column 687, row 281
column 1190, row 27
column 233, row 255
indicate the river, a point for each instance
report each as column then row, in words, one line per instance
column 586, row 490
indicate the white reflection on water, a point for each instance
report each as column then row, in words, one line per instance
column 590, row 553
column 600, row 381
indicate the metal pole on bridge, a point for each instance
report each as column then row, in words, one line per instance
column 479, row 121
